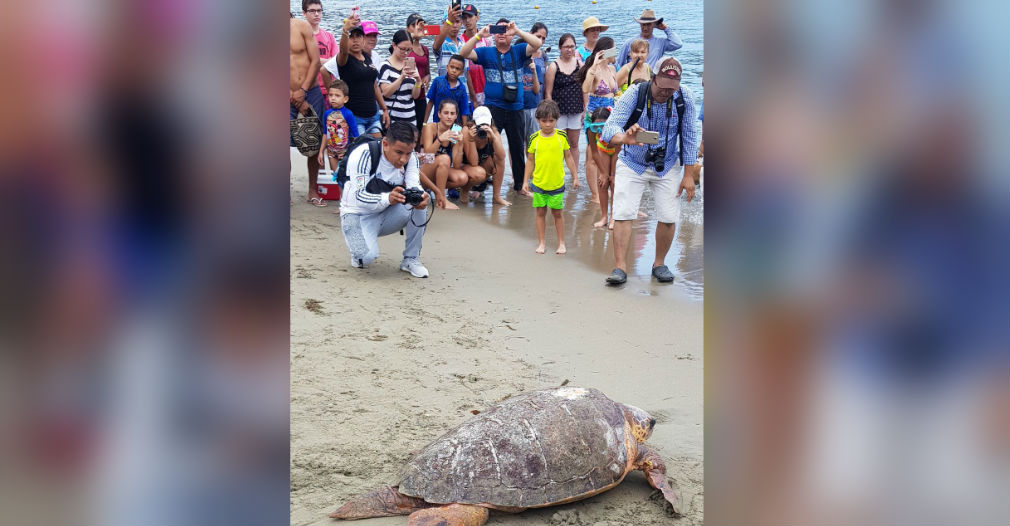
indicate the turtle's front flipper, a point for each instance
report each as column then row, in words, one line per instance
column 655, row 472
column 382, row 502
column 451, row 515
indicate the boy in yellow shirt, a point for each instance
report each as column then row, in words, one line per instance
column 545, row 159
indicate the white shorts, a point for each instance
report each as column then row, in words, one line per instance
column 629, row 187
column 569, row 122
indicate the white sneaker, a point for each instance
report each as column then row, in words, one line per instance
column 414, row 266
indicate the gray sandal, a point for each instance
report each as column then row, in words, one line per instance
column 663, row 274
column 617, row 277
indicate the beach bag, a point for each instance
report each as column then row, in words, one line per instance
column 307, row 132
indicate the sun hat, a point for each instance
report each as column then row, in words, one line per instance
column 369, row 27
column 648, row 17
column 482, row 116
column 592, row 22
column 667, row 71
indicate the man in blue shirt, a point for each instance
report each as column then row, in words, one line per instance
column 656, row 166
column 658, row 45
column 503, row 91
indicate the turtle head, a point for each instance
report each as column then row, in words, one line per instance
column 641, row 422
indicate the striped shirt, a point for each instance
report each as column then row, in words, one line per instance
column 401, row 104
column 634, row 156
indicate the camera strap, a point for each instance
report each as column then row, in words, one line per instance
column 515, row 70
column 677, row 101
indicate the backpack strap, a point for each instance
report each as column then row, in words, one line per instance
column 679, row 102
column 643, row 92
column 375, row 148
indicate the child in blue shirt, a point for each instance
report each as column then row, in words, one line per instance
column 449, row 86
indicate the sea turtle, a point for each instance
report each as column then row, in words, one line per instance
column 537, row 449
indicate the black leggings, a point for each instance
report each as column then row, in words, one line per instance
column 420, row 105
column 512, row 122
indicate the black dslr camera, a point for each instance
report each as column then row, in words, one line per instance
column 657, row 158
column 482, row 131
column 414, row 196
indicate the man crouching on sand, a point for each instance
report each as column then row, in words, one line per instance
column 374, row 206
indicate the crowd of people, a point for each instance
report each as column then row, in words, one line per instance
column 433, row 120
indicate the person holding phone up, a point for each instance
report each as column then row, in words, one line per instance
column 504, row 84
column 416, row 26
column 399, row 80
column 667, row 118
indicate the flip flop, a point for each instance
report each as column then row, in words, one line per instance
column 317, row 201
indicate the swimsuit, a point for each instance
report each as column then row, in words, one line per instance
column 598, row 100
column 447, row 150
column 605, row 147
column 603, row 88
column 485, row 152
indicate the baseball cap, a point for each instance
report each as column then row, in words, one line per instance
column 482, row 116
column 369, row 27
column 413, row 19
column 666, row 72
column 469, row 9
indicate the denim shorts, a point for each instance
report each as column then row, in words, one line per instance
column 371, row 124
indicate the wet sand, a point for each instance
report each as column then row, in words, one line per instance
column 382, row 363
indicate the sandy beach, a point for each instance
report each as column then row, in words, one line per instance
column 382, row 363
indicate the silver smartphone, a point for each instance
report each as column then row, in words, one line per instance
column 647, row 137
column 610, row 52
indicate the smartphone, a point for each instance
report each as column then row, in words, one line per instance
column 455, row 4
column 610, row 52
column 355, row 12
column 498, row 29
column 410, row 63
column 432, row 30
column 648, row 137
column 455, row 128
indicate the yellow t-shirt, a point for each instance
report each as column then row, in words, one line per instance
column 549, row 159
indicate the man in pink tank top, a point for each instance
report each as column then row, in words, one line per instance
column 313, row 12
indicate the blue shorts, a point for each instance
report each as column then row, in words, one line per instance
column 371, row 124
column 315, row 99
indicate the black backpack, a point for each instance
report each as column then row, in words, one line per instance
column 643, row 93
column 375, row 148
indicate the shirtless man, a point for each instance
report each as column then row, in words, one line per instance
column 305, row 90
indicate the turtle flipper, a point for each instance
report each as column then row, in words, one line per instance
column 451, row 515
column 382, row 502
column 655, row 472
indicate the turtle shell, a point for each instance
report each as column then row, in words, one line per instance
column 534, row 449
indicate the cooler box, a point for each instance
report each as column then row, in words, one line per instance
column 326, row 185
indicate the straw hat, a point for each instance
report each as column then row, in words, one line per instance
column 592, row 22
column 648, row 17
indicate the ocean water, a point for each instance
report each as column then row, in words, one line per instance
column 592, row 246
